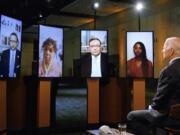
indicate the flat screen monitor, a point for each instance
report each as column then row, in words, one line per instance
column 140, row 54
column 10, row 47
column 50, row 51
column 94, row 53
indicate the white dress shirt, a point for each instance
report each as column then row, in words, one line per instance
column 12, row 62
column 96, row 66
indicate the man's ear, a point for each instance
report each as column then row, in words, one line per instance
column 172, row 51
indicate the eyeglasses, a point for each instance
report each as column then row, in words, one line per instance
column 94, row 45
column 13, row 41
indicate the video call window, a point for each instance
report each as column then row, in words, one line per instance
column 94, row 57
column 50, row 51
column 140, row 54
column 10, row 47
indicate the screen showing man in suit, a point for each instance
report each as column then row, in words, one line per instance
column 94, row 61
column 10, row 46
column 10, row 58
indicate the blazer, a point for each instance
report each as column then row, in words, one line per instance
column 4, row 64
column 86, row 62
column 168, row 89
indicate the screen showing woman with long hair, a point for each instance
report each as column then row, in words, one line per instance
column 140, row 54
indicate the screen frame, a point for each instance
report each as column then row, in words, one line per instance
column 146, row 53
column 107, row 47
column 20, row 44
column 53, row 26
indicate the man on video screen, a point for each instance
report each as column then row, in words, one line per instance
column 94, row 64
column 10, row 58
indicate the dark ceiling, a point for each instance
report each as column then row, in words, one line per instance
column 33, row 11
column 29, row 10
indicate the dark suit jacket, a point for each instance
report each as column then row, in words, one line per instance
column 86, row 62
column 4, row 64
column 168, row 89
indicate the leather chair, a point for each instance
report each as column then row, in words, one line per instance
column 172, row 123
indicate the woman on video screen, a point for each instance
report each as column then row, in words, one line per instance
column 50, row 65
column 139, row 66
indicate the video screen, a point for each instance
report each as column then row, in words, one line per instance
column 50, row 51
column 140, row 54
column 10, row 47
column 94, row 56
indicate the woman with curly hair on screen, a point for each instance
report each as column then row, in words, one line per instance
column 50, row 66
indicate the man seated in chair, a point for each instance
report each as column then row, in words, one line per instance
column 141, row 122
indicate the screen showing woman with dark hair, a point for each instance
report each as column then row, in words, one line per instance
column 139, row 66
column 140, row 54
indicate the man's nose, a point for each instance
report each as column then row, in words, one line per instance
column 48, row 51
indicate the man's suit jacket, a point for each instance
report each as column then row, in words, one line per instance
column 86, row 62
column 168, row 89
column 4, row 64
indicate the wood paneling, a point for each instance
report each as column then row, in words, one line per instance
column 16, row 103
column 93, row 101
column 3, row 104
column 111, row 102
column 138, row 94
column 44, row 100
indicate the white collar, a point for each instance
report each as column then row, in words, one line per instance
column 173, row 59
column 96, row 57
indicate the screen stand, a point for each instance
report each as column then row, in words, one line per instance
column 44, row 102
column 3, row 107
column 93, row 101
column 138, row 94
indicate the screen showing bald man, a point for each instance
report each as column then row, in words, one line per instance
column 94, row 58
